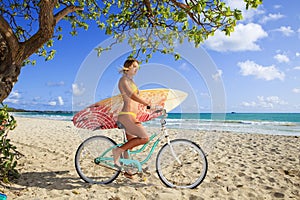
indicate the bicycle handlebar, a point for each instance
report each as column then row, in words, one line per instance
column 161, row 109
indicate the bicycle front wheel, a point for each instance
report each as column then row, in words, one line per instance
column 85, row 160
column 181, row 164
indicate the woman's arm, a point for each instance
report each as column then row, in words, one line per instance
column 136, row 98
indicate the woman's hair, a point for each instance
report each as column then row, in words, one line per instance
column 127, row 64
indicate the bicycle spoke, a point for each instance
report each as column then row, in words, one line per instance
column 190, row 172
column 85, row 163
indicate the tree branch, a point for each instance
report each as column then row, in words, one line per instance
column 186, row 8
column 45, row 31
column 8, row 35
column 148, row 6
column 180, row 5
column 65, row 12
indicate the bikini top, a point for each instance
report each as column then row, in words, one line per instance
column 134, row 88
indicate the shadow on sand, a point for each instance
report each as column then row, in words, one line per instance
column 62, row 180
column 58, row 180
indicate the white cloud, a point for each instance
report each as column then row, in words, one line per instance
column 13, row 97
column 60, row 100
column 273, row 100
column 281, row 58
column 265, row 102
column 241, row 5
column 297, row 54
column 244, row 38
column 15, row 94
column 13, row 101
column 271, row 17
column 61, row 83
column 269, row 102
column 277, row 6
column 285, row 30
column 52, row 103
column 77, row 90
column 217, row 75
column 296, row 90
column 249, row 104
column 266, row 73
column 297, row 68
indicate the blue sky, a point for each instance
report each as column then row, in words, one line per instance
column 257, row 68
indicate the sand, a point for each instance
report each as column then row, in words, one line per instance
column 241, row 166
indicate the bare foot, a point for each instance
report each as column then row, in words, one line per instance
column 116, row 154
column 128, row 175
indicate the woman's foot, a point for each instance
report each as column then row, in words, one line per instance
column 128, row 175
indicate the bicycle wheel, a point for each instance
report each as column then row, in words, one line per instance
column 184, row 167
column 86, row 165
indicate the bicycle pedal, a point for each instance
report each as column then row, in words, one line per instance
column 146, row 171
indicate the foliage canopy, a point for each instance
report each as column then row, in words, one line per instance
column 164, row 22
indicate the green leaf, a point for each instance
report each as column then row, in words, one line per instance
column 59, row 37
column 49, row 43
column 238, row 14
column 177, row 56
column 108, row 31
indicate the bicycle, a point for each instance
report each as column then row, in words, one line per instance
column 180, row 163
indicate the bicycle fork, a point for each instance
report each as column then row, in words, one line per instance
column 170, row 145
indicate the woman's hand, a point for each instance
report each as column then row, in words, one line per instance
column 155, row 108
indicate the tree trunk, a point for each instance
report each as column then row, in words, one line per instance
column 13, row 53
column 12, row 58
column 9, row 70
column 8, row 79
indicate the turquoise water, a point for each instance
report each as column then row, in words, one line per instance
column 276, row 117
column 261, row 123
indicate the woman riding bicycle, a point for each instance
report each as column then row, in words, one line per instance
column 135, row 132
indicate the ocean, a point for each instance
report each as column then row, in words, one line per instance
column 260, row 123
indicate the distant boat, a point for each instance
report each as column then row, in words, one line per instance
column 233, row 112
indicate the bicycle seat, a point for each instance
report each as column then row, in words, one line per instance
column 120, row 125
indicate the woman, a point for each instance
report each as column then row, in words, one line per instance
column 135, row 132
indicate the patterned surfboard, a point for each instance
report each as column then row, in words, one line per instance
column 103, row 114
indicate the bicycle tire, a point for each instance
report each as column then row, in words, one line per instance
column 192, row 170
column 85, row 164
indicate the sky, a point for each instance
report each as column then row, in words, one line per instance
column 256, row 69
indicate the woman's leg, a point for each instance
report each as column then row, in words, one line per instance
column 129, row 137
column 128, row 173
column 133, row 128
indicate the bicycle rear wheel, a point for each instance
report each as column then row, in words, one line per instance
column 86, row 165
column 183, row 167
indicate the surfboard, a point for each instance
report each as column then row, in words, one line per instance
column 103, row 114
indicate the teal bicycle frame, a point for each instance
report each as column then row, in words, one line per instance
column 108, row 161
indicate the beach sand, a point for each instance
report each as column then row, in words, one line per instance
column 241, row 166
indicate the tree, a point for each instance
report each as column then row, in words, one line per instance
column 164, row 22
column 8, row 152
